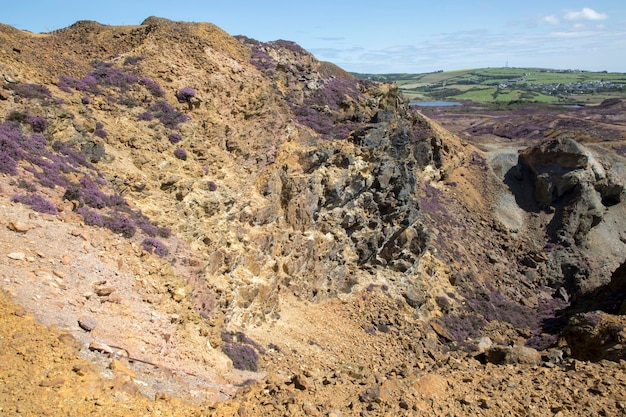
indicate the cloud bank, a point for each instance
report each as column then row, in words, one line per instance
column 585, row 14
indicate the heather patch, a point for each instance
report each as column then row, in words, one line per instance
column 57, row 165
column 33, row 91
column 36, row 202
column 241, row 350
column 184, row 95
column 152, row 86
column 155, row 246
column 180, row 153
column 167, row 114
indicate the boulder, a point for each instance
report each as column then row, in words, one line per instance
column 568, row 179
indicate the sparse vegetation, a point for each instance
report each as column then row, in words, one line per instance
column 155, row 246
column 36, row 202
column 184, row 95
column 180, row 153
column 241, row 350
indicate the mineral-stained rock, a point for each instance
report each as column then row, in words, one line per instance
column 568, row 177
column 430, row 386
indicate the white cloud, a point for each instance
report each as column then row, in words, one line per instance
column 585, row 14
column 589, row 49
column 553, row 20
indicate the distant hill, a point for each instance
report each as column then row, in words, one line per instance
column 488, row 85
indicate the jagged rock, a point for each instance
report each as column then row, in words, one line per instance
column 595, row 336
column 567, row 177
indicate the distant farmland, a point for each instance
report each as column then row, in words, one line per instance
column 509, row 85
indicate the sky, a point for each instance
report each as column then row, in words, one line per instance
column 392, row 36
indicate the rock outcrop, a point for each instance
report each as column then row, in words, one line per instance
column 568, row 179
column 233, row 207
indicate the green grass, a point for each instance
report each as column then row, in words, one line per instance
column 481, row 85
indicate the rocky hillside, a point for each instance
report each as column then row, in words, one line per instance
column 216, row 225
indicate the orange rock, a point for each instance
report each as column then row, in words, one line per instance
column 430, row 386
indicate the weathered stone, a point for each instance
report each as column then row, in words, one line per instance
column 52, row 383
column 430, row 386
column 100, row 347
column 117, row 366
column 104, row 291
column 19, row 226
column 87, row 323
column 413, row 298
column 567, row 176
column 500, row 355
column 301, row 382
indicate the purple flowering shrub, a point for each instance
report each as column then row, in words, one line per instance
column 47, row 164
column 88, row 84
column 55, row 165
column 133, row 60
column 146, row 116
column 152, row 86
column 31, row 90
column 241, row 350
column 10, row 149
column 334, row 93
column 37, row 123
column 71, row 157
column 100, row 132
column 184, row 95
column 90, row 217
column 174, row 138
column 262, row 61
column 106, row 79
column 321, row 109
column 244, row 357
column 317, row 120
column 168, row 115
column 155, row 246
column 36, row 202
column 291, row 46
column 121, row 224
column 180, row 153
column 462, row 326
column 149, row 228
column 107, row 75
column 90, row 194
column 259, row 56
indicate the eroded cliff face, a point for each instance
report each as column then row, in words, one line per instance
column 291, row 174
column 270, row 182
column 330, row 211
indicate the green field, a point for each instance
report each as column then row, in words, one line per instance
column 515, row 85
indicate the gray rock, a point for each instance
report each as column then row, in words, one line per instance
column 569, row 179
column 87, row 323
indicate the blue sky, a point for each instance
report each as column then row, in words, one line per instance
column 384, row 37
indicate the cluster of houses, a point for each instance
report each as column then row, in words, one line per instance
column 581, row 87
